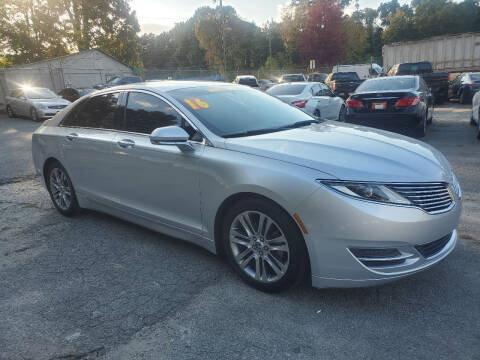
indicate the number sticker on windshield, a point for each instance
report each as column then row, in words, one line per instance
column 197, row 103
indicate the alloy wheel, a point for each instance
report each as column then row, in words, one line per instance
column 34, row 115
column 61, row 188
column 10, row 112
column 259, row 246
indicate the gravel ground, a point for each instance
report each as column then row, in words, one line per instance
column 94, row 287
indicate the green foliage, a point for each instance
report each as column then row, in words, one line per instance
column 427, row 18
column 33, row 30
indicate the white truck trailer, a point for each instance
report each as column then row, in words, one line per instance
column 449, row 53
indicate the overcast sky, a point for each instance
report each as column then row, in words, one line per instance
column 160, row 15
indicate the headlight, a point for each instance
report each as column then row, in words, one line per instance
column 42, row 106
column 366, row 191
column 456, row 186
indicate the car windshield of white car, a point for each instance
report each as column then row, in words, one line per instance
column 230, row 111
column 287, row 89
column 40, row 93
column 384, row 84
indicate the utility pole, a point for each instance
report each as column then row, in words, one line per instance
column 223, row 40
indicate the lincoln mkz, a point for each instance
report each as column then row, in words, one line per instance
column 283, row 195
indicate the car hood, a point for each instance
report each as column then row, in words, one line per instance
column 350, row 152
column 58, row 101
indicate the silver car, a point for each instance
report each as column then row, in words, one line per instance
column 475, row 117
column 34, row 102
column 281, row 194
column 312, row 97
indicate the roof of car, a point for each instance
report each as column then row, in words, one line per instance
column 169, row 85
column 246, row 76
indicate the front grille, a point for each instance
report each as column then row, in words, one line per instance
column 57, row 106
column 431, row 197
column 434, row 247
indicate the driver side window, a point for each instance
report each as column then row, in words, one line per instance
column 145, row 113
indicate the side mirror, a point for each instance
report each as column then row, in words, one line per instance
column 171, row 135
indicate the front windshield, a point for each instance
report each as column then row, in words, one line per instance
column 232, row 110
column 385, row 84
column 40, row 93
column 475, row 77
column 293, row 78
column 114, row 80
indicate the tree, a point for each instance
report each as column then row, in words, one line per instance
column 28, row 31
column 33, row 30
column 323, row 38
column 294, row 19
column 355, row 40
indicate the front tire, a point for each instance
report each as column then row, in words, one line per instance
column 34, row 115
column 61, row 190
column 264, row 245
column 10, row 112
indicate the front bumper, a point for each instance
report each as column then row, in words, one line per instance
column 337, row 224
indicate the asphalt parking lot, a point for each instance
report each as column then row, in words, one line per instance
column 96, row 287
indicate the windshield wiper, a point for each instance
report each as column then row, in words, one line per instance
column 302, row 123
column 251, row 133
column 266, row 131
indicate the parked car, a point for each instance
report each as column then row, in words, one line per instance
column 343, row 83
column 248, row 80
column 396, row 102
column 265, row 84
column 119, row 80
column 436, row 81
column 475, row 118
column 34, row 102
column 464, row 87
column 364, row 71
column 317, row 77
column 241, row 173
column 314, row 98
column 73, row 94
column 286, row 78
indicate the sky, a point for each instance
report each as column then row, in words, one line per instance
column 157, row 16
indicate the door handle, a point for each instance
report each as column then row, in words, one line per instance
column 72, row 136
column 126, row 143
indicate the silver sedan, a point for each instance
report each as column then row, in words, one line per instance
column 281, row 194
column 34, row 102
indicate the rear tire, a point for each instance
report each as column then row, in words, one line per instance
column 342, row 114
column 61, row 189
column 421, row 129
column 317, row 113
column 251, row 229
column 10, row 112
column 463, row 98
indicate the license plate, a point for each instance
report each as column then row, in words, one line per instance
column 379, row 105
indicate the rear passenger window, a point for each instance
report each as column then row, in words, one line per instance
column 146, row 112
column 98, row 112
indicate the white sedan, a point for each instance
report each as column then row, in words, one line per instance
column 475, row 118
column 312, row 97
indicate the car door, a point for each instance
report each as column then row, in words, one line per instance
column 88, row 142
column 317, row 104
column 156, row 182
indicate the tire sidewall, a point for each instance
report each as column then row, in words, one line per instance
column 10, row 112
column 74, row 207
column 298, row 252
column 32, row 116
